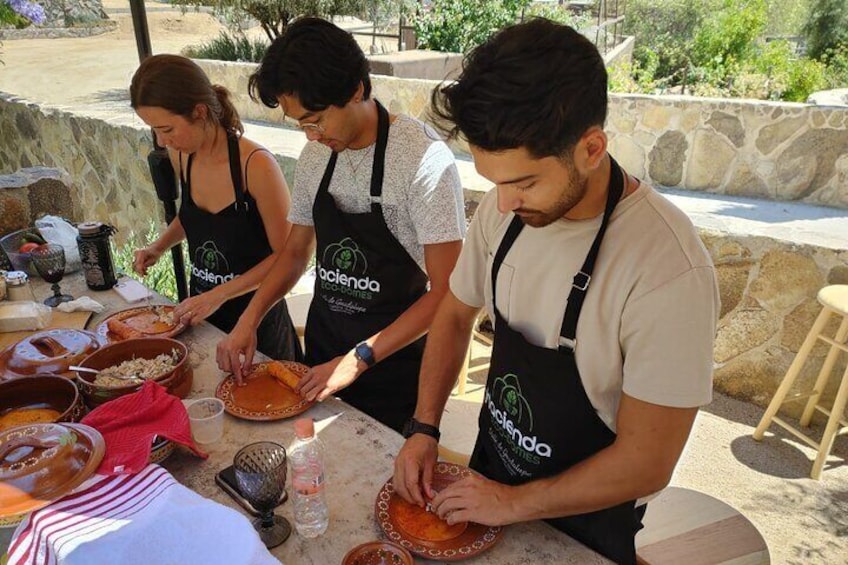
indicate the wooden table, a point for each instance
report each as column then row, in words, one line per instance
column 360, row 458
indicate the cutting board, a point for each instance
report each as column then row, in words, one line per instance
column 75, row 320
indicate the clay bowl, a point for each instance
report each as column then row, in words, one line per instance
column 178, row 380
column 42, row 391
column 378, row 553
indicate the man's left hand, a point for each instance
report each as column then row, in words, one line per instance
column 330, row 377
column 476, row 499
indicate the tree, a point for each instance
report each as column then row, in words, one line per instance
column 274, row 16
column 826, row 29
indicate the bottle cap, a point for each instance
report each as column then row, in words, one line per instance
column 90, row 228
column 304, row 428
column 16, row 278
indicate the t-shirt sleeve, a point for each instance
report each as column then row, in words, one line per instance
column 305, row 186
column 435, row 198
column 468, row 280
column 667, row 338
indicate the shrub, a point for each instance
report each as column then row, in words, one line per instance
column 160, row 277
column 227, row 47
column 457, row 26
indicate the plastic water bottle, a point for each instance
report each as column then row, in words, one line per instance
column 306, row 456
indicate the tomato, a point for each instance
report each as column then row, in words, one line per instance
column 28, row 247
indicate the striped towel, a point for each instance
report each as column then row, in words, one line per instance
column 146, row 518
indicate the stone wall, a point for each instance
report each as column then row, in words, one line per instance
column 107, row 162
column 768, row 304
column 777, row 151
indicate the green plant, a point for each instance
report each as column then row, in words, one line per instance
column 160, row 277
column 229, row 47
column 727, row 36
column 557, row 13
column 457, row 26
column 827, row 27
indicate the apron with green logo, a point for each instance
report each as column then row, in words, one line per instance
column 537, row 421
column 364, row 281
column 225, row 244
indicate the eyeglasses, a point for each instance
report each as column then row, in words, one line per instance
column 310, row 127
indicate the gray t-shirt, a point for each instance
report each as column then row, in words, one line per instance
column 422, row 195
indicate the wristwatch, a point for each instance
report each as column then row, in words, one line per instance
column 364, row 353
column 413, row 426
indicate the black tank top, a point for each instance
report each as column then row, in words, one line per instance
column 226, row 244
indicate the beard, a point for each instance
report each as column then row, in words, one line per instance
column 572, row 192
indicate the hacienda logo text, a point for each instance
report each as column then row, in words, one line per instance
column 341, row 270
column 210, row 266
column 513, row 419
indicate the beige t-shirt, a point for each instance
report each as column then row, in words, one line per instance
column 649, row 319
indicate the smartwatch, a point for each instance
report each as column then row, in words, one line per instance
column 413, row 426
column 364, row 353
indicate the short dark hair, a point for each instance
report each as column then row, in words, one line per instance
column 538, row 85
column 314, row 60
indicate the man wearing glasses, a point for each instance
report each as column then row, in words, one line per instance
column 377, row 197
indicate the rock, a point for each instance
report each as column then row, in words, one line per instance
column 732, row 282
column 785, row 279
column 710, row 158
column 729, row 125
column 836, row 97
column 744, row 330
column 776, row 133
column 667, row 159
column 816, row 152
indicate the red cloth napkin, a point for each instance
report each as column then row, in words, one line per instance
column 129, row 424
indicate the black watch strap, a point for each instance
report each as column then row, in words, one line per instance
column 413, row 426
column 364, row 353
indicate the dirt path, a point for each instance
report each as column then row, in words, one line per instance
column 67, row 72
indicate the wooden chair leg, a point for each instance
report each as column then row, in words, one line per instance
column 792, row 374
column 833, row 423
column 821, row 380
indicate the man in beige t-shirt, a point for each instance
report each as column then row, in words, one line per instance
column 604, row 302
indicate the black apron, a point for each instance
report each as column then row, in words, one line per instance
column 224, row 245
column 537, row 421
column 365, row 281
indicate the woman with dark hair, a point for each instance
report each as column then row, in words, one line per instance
column 234, row 199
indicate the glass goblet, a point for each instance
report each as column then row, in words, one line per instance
column 261, row 475
column 49, row 263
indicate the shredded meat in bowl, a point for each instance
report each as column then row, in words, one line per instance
column 144, row 369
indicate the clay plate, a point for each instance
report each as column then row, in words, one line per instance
column 263, row 397
column 472, row 541
column 143, row 319
column 378, row 553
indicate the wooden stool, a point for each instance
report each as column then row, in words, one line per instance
column 687, row 526
column 834, row 301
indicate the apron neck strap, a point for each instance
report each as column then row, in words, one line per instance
column 515, row 227
column 235, row 171
column 378, row 166
column 580, row 283
column 378, row 169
